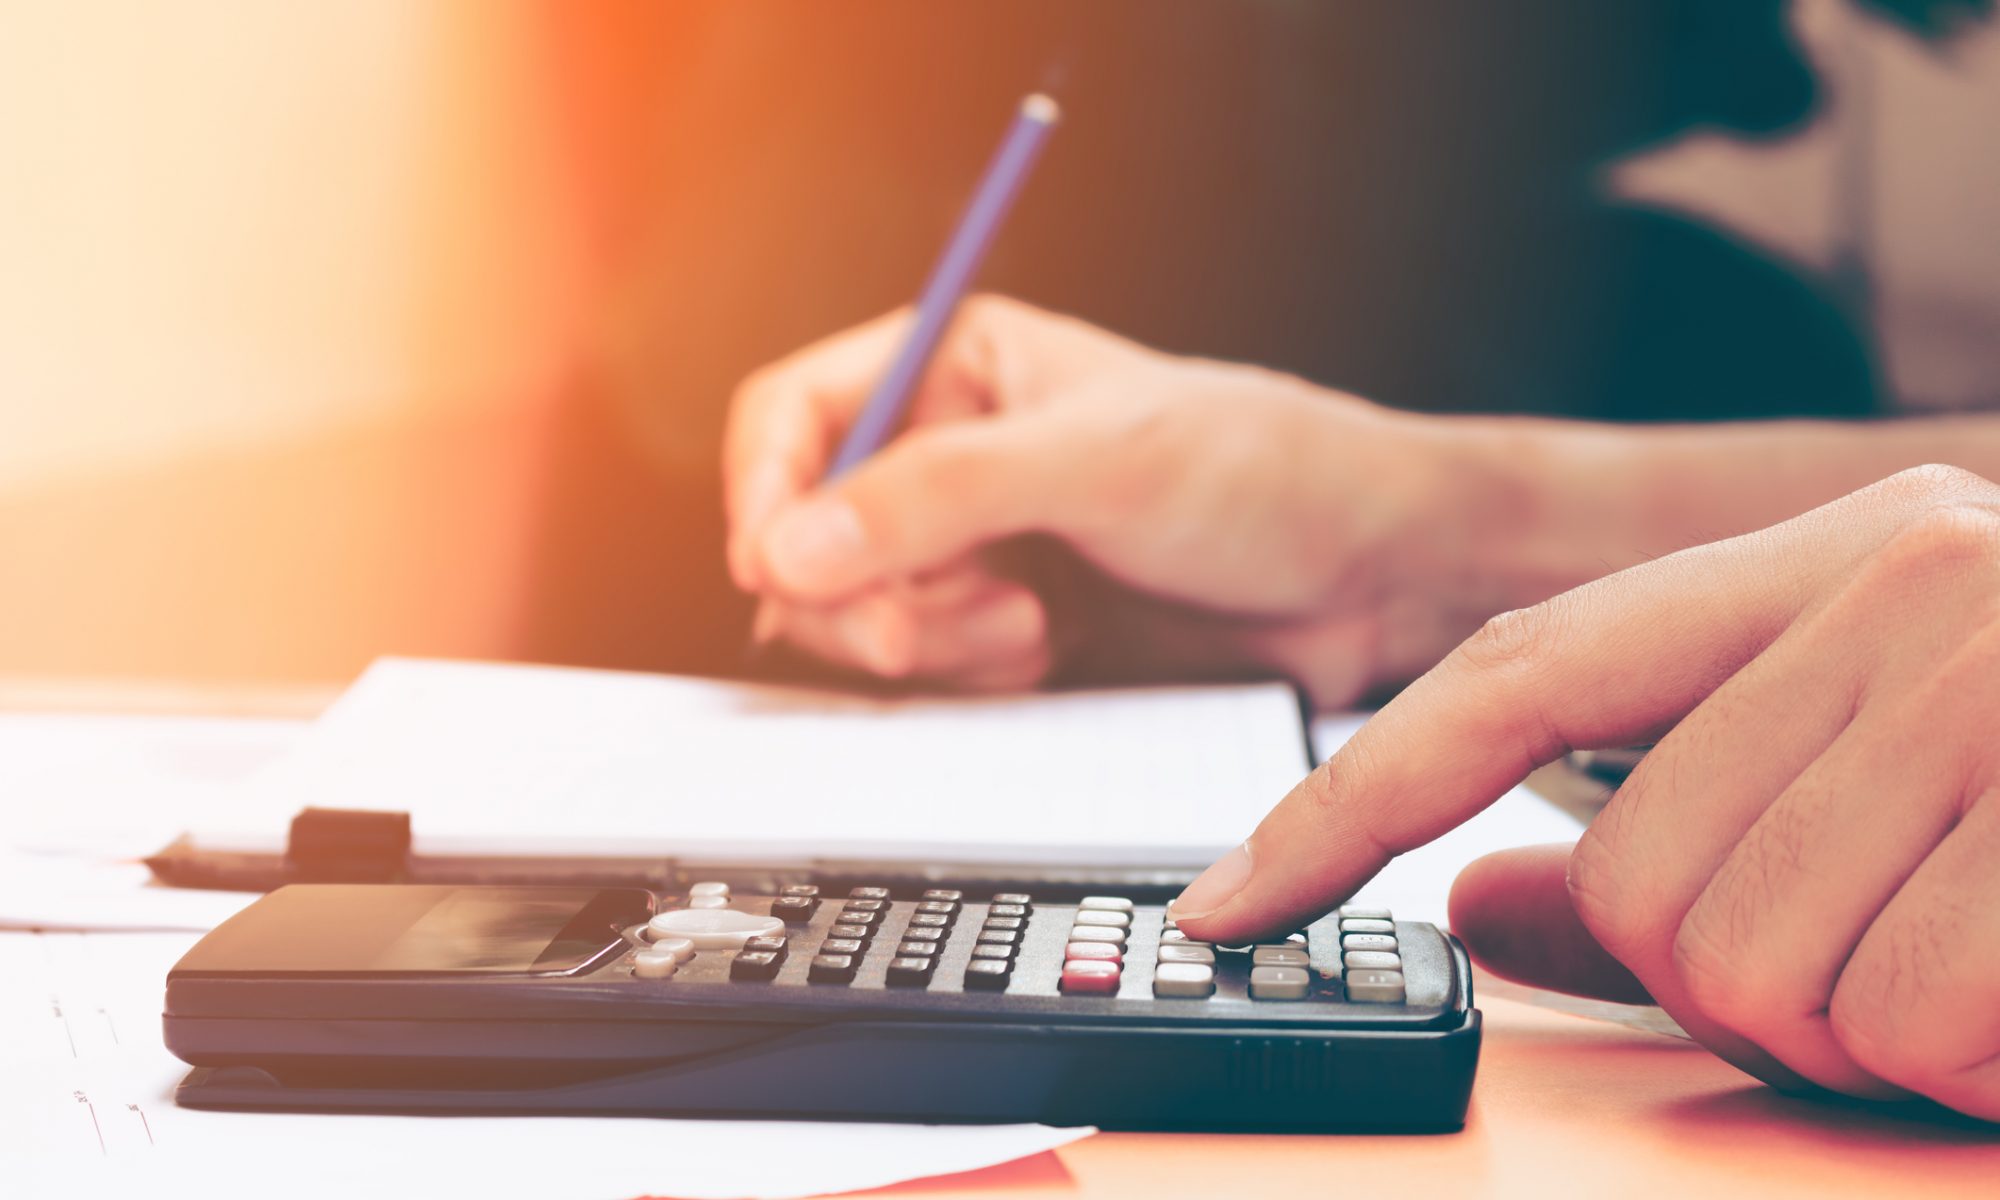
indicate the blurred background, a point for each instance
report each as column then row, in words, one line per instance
column 329, row 331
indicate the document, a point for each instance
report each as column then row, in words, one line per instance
column 86, row 1110
column 494, row 759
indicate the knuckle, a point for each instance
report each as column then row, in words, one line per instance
column 1517, row 640
column 1877, row 1013
column 1932, row 483
column 1598, row 892
column 1949, row 537
column 1719, row 978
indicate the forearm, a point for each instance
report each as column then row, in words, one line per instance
column 1566, row 502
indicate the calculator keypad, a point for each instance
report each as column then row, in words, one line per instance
column 942, row 941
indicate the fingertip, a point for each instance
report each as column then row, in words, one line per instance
column 815, row 548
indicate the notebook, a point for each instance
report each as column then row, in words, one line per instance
column 496, row 759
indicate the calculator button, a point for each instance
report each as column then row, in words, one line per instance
column 993, row 952
column 757, row 965
column 714, row 928
column 681, row 948
column 1187, row 952
column 1172, row 935
column 769, row 944
column 916, row 949
column 808, row 890
column 1375, row 987
column 654, row 964
column 1363, row 912
column 945, row 894
column 1366, row 925
column 857, row 916
column 1097, row 933
column 869, row 893
column 1004, row 922
column 999, row 937
column 842, row 946
column 844, row 930
column 1278, row 956
column 938, row 906
column 1093, row 952
column 923, row 933
column 710, row 889
column 831, row 968
column 1106, row 903
column 1278, row 983
column 1358, row 941
column 912, row 971
column 708, row 902
column 929, row 921
column 1371, row 960
column 987, row 974
column 1020, row 898
column 794, row 910
column 1193, row 980
column 866, row 903
column 1007, row 910
column 1088, row 978
column 1092, row 916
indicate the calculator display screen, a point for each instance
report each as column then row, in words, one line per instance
column 363, row 930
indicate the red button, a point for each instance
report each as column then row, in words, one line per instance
column 1093, row 952
column 1090, row 978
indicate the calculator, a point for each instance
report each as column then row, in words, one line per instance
column 862, row 1003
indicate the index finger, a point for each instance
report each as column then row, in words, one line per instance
column 783, row 422
column 1615, row 662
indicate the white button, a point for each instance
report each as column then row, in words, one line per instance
column 1095, row 916
column 1278, row 983
column 1366, row 925
column 654, row 964
column 1278, row 956
column 681, row 948
column 1106, row 903
column 1183, row 979
column 1354, row 941
column 714, row 928
column 1363, row 912
column 708, row 902
column 710, row 889
column 1172, row 935
column 1096, row 933
column 1372, row 960
column 1187, row 952
column 1375, row 987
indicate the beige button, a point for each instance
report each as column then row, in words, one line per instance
column 1187, row 952
column 1371, row 960
column 710, row 888
column 1092, row 916
column 654, row 964
column 1375, row 987
column 708, row 902
column 1278, row 983
column 1278, row 956
column 1097, row 933
column 1355, row 941
column 1363, row 912
column 1364, row 925
column 1106, row 903
column 713, row 928
column 1190, row 980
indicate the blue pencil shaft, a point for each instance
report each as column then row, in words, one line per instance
column 949, row 281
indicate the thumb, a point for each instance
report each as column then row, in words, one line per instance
column 1513, row 912
column 926, row 499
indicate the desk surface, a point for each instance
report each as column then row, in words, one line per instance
column 1564, row 1104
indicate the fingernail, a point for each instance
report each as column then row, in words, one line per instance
column 814, row 541
column 1214, row 887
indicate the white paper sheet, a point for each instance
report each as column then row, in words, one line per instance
column 86, row 1111
column 487, row 757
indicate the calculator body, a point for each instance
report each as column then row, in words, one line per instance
column 400, row 998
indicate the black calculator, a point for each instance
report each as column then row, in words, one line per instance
column 871, row 1003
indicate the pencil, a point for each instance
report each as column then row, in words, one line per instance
column 950, row 279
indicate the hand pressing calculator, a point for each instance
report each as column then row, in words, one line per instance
column 933, row 1006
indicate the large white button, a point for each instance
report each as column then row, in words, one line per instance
column 1183, row 979
column 1107, row 903
column 1094, row 916
column 654, row 964
column 1091, row 933
column 714, row 928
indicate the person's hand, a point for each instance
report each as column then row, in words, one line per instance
column 1804, row 872
column 1198, row 519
